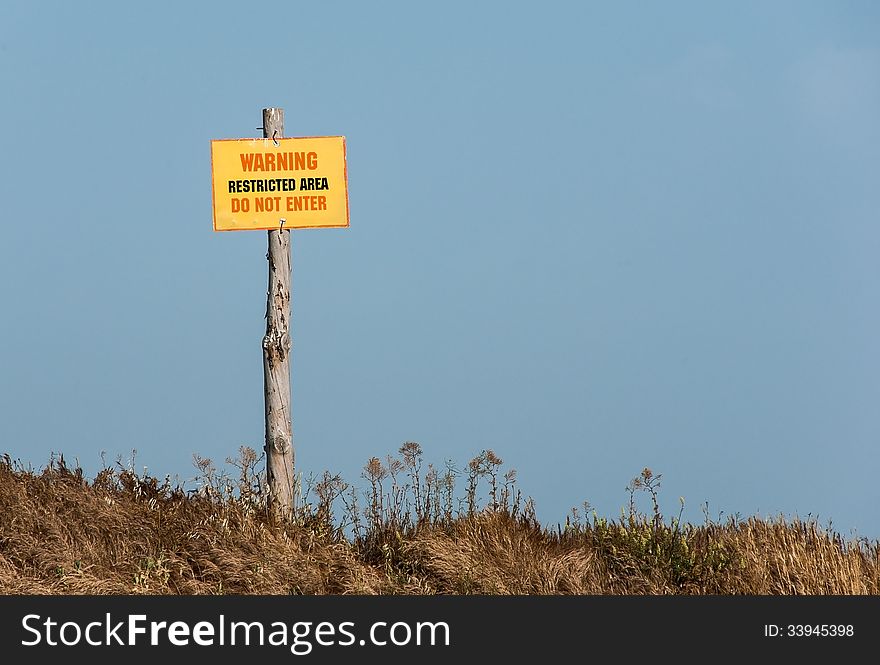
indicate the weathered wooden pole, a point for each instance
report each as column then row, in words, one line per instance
column 276, row 356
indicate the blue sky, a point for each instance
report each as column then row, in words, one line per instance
column 592, row 237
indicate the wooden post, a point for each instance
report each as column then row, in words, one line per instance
column 276, row 356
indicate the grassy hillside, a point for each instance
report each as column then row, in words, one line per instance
column 404, row 532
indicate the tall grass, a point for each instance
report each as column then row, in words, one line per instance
column 403, row 530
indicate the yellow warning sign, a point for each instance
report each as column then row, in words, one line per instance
column 294, row 183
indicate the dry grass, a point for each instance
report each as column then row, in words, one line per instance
column 125, row 533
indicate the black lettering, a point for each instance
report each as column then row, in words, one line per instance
column 274, row 185
column 311, row 184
